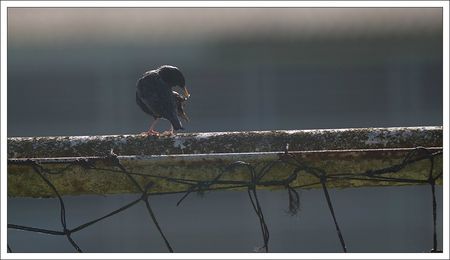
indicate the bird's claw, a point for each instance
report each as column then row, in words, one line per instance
column 167, row 133
column 151, row 132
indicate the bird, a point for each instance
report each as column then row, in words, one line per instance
column 155, row 96
column 180, row 99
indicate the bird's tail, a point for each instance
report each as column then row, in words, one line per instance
column 175, row 121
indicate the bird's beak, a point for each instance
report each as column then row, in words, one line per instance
column 186, row 93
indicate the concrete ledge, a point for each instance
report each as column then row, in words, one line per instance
column 79, row 165
column 226, row 142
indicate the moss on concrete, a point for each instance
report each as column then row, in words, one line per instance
column 23, row 181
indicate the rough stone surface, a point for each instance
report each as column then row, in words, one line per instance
column 225, row 142
column 146, row 159
column 23, row 181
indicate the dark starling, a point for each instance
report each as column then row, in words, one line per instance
column 155, row 96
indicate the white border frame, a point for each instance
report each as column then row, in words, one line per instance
column 6, row 4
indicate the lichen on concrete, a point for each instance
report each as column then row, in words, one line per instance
column 23, row 181
column 224, row 142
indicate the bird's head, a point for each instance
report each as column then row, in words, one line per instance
column 173, row 77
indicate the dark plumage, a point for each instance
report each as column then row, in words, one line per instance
column 155, row 96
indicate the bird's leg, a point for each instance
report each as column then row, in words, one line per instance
column 150, row 130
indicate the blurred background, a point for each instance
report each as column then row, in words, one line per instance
column 73, row 71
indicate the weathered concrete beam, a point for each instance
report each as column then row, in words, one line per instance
column 225, row 142
column 207, row 154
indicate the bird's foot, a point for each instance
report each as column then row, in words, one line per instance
column 167, row 133
column 151, row 132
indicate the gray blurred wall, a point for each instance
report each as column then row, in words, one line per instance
column 72, row 71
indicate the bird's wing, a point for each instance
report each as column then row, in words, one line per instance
column 144, row 95
column 157, row 97
column 142, row 105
